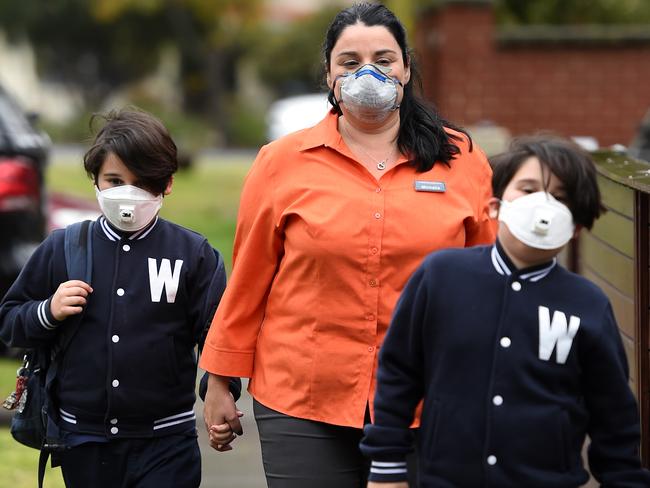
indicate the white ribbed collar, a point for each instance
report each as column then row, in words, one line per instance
column 114, row 235
column 503, row 266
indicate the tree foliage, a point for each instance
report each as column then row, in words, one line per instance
column 97, row 46
column 75, row 47
column 290, row 60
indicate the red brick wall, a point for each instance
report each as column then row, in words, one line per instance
column 594, row 89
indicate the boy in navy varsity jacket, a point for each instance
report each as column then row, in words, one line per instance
column 124, row 392
column 516, row 358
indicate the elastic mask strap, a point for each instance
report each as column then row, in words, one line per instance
column 334, row 101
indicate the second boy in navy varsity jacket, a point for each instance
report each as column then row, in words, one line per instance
column 130, row 369
column 515, row 367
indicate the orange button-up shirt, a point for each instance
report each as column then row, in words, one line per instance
column 322, row 251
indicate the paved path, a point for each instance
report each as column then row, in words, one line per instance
column 239, row 468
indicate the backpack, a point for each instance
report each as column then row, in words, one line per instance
column 29, row 424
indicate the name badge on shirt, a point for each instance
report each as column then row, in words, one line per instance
column 430, row 186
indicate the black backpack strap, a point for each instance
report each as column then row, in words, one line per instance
column 78, row 260
column 42, row 464
column 78, row 250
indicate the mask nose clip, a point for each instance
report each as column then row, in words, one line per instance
column 127, row 213
column 542, row 221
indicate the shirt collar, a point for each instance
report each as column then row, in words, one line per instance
column 504, row 266
column 326, row 133
column 114, row 234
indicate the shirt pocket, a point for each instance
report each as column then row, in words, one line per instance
column 541, row 442
column 448, row 438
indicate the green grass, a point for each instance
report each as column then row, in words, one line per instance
column 204, row 199
column 19, row 465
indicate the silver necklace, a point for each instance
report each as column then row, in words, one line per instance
column 381, row 165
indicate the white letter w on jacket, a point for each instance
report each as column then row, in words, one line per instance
column 164, row 277
column 555, row 334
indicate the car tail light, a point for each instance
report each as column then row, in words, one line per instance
column 19, row 185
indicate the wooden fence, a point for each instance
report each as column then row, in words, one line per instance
column 615, row 255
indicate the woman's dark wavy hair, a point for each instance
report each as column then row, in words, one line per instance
column 422, row 134
column 571, row 164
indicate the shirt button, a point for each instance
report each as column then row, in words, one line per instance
column 120, row 292
column 497, row 400
column 126, row 248
column 516, row 286
column 115, row 383
column 505, row 342
column 114, row 430
column 372, row 283
column 113, row 421
column 115, row 338
column 377, row 190
column 492, row 460
column 377, row 215
column 374, row 250
column 370, row 317
column 370, row 349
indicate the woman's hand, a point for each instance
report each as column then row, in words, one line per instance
column 220, row 414
column 69, row 299
column 398, row 484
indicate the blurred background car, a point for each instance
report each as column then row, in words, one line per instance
column 290, row 114
column 24, row 152
column 63, row 210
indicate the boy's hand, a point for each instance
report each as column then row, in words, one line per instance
column 220, row 414
column 69, row 299
column 222, row 435
column 399, row 484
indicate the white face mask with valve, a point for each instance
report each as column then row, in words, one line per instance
column 128, row 207
column 538, row 220
column 369, row 93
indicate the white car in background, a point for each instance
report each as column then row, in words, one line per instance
column 294, row 113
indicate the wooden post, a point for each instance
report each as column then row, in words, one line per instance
column 641, row 316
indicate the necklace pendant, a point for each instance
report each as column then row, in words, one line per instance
column 381, row 165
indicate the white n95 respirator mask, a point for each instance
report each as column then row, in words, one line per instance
column 538, row 220
column 128, row 207
column 369, row 93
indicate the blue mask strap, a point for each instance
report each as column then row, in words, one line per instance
column 380, row 76
column 368, row 71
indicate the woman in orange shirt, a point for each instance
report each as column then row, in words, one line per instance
column 332, row 222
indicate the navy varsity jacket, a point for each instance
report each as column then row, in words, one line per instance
column 130, row 369
column 515, row 368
